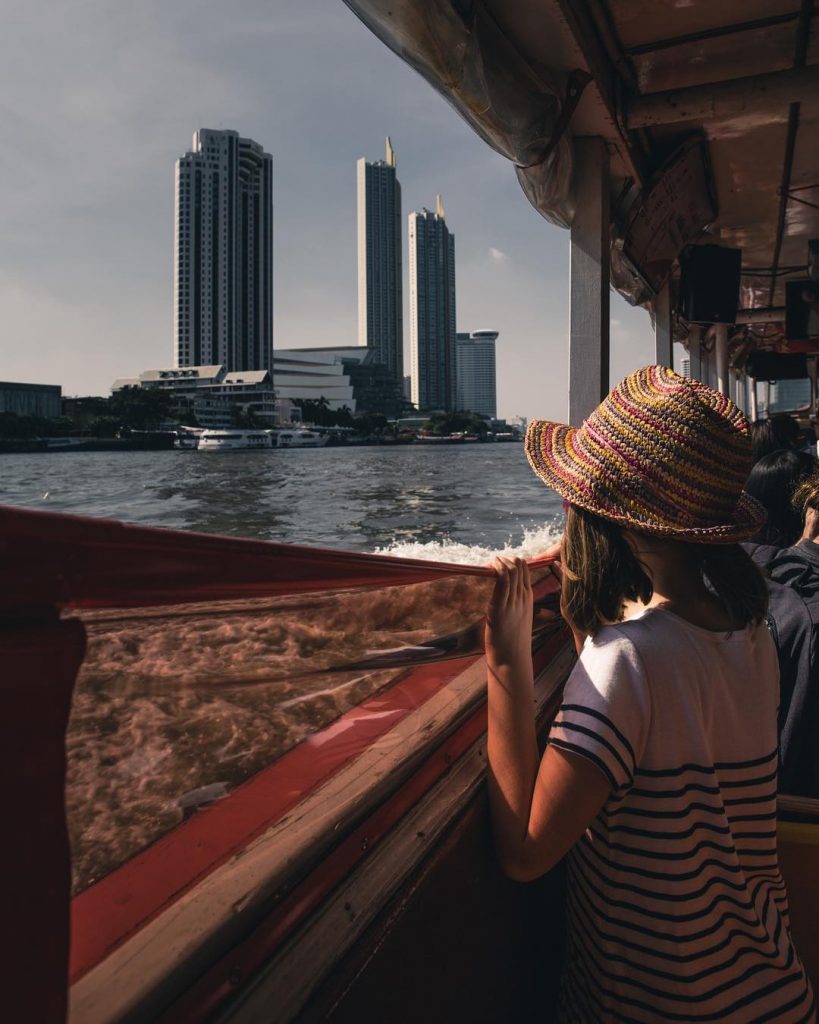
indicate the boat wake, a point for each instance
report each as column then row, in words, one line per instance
column 534, row 542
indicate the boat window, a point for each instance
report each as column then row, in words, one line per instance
column 198, row 725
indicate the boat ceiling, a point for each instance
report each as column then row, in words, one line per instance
column 762, row 135
column 639, row 48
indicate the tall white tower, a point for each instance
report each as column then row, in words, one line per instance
column 432, row 310
column 223, row 254
column 380, row 311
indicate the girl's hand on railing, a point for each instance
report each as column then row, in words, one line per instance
column 509, row 616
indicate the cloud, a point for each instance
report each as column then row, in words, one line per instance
column 498, row 255
column 618, row 331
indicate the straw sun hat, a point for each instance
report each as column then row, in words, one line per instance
column 661, row 454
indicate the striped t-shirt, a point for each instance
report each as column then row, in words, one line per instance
column 677, row 910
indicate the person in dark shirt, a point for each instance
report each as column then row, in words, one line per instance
column 794, row 613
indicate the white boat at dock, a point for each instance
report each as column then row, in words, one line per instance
column 233, row 440
column 299, row 438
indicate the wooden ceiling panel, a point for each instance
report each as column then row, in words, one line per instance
column 720, row 58
column 639, row 22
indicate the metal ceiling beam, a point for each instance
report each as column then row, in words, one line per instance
column 722, row 100
column 773, row 315
column 799, row 58
column 596, row 38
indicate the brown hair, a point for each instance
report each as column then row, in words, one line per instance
column 806, row 495
column 601, row 572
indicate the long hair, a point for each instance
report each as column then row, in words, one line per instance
column 772, row 482
column 601, row 572
column 771, row 435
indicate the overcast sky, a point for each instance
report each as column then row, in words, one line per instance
column 98, row 99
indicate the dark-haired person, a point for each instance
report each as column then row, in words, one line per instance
column 792, row 614
column 779, row 431
column 660, row 771
column 772, row 481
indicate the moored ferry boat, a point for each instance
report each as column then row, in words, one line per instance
column 300, row 438
column 233, row 440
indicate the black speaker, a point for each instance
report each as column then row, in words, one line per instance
column 709, row 284
column 763, row 365
column 801, row 309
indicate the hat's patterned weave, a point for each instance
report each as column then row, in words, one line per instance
column 661, row 454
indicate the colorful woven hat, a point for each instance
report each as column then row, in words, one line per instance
column 660, row 454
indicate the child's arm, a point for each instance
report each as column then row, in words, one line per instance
column 538, row 810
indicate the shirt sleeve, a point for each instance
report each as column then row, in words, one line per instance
column 606, row 709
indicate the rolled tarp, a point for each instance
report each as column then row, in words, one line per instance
column 520, row 111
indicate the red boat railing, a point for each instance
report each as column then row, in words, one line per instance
column 135, row 589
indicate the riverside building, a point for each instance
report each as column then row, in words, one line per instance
column 31, row 399
column 380, row 311
column 475, row 373
column 346, row 377
column 432, row 310
column 223, row 254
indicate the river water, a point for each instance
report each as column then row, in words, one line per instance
column 456, row 502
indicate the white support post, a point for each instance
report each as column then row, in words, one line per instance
column 740, row 391
column 589, row 285
column 694, row 351
column 753, row 414
column 721, row 346
column 663, row 354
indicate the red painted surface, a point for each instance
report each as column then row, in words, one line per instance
column 244, row 960
column 107, row 913
column 40, row 661
column 100, row 563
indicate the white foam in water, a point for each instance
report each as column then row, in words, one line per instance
column 535, row 541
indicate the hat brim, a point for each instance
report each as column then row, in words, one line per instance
column 554, row 457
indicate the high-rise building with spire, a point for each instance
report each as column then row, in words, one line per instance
column 223, row 254
column 432, row 310
column 380, row 310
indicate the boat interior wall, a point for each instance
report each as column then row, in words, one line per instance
column 40, row 658
column 491, row 951
column 798, row 843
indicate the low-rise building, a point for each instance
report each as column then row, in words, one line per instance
column 345, row 375
column 211, row 394
column 44, row 400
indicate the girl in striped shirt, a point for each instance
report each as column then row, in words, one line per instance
column 659, row 778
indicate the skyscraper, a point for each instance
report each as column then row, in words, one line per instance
column 223, row 254
column 432, row 310
column 380, row 311
column 475, row 373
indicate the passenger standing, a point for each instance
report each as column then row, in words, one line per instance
column 773, row 481
column 795, row 570
column 660, row 771
column 793, row 614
